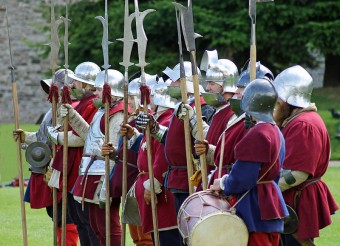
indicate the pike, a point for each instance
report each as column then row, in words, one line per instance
column 127, row 48
column 53, row 98
column 106, row 98
column 252, row 15
column 187, row 133
column 16, row 121
column 187, row 24
column 65, row 99
column 145, row 98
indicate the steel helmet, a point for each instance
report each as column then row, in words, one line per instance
column 221, row 71
column 86, row 72
column 259, row 99
column 115, row 80
column 294, row 85
column 162, row 97
column 59, row 80
column 261, row 72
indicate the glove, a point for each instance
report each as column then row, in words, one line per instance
column 108, row 149
column 64, row 110
column 126, row 130
column 52, row 134
column 185, row 109
column 143, row 120
column 248, row 122
column 201, row 147
column 147, row 197
column 19, row 134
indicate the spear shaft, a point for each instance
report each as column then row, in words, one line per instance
column 128, row 44
column 16, row 122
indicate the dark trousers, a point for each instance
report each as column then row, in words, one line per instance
column 49, row 211
column 87, row 236
column 179, row 199
column 289, row 240
column 169, row 238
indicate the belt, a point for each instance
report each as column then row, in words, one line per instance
column 129, row 164
column 297, row 195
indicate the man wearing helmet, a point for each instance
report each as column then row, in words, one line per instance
column 90, row 184
column 166, row 211
column 307, row 155
column 82, row 89
column 254, row 176
column 38, row 193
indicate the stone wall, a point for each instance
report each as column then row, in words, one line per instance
column 24, row 16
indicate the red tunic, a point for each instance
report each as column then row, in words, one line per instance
column 84, row 107
column 308, row 150
column 166, row 211
column 232, row 136
column 175, row 154
column 92, row 180
column 262, row 144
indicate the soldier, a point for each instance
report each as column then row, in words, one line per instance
column 90, row 186
column 172, row 136
column 82, row 89
column 254, row 176
column 166, row 212
column 307, row 156
column 38, row 154
column 235, row 128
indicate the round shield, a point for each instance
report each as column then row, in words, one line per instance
column 290, row 222
column 38, row 154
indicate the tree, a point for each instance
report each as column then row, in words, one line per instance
column 287, row 33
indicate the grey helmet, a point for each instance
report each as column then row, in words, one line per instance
column 86, row 72
column 59, row 80
column 259, row 99
column 134, row 86
column 221, row 71
column 162, row 97
column 174, row 75
column 294, row 86
column 115, row 80
column 261, row 72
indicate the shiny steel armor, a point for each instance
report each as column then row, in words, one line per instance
column 162, row 97
column 114, row 78
column 221, row 71
column 294, row 85
column 259, row 99
column 261, row 72
column 86, row 72
column 92, row 148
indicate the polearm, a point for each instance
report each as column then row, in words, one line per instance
column 53, row 98
column 145, row 100
column 189, row 38
column 107, row 100
column 187, row 134
column 66, row 99
column 16, row 122
column 127, row 48
column 252, row 15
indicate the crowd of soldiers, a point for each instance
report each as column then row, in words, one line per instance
column 264, row 143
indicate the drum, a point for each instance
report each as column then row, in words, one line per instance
column 206, row 218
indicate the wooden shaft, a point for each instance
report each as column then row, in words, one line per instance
column 124, row 172
column 199, row 120
column 54, row 190
column 64, row 191
column 187, row 136
column 253, row 55
column 220, row 165
column 21, row 179
column 151, row 177
column 107, row 175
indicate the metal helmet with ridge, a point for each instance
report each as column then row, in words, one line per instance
column 86, row 72
column 114, row 78
column 162, row 97
column 259, row 99
column 59, row 80
column 261, row 72
column 294, row 86
column 220, row 71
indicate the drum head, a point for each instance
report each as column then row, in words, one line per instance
column 219, row 229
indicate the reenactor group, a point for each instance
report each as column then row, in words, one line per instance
column 266, row 150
